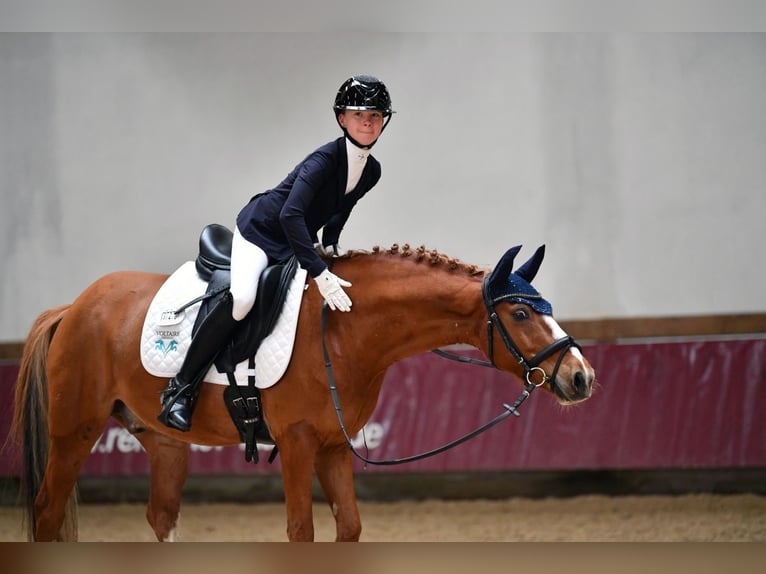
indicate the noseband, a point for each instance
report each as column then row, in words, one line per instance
column 530, row 367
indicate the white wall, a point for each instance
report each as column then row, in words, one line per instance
column 638, row 159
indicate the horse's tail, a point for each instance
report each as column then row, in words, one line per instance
column 29, row 430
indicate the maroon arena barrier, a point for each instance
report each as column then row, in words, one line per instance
column 657, row 405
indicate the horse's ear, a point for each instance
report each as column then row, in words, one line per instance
column 530, row 268
column 505, row 266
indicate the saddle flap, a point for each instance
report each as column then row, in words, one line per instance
column 272, row 289
column 273, row 286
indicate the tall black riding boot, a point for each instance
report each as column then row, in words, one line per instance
column 180, row 397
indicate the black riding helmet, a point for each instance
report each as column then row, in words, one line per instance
column 363, row 93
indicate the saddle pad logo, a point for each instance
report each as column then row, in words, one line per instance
column 160, row 346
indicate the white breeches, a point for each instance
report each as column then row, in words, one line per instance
column 247, row 262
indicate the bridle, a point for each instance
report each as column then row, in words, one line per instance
column 530, row 366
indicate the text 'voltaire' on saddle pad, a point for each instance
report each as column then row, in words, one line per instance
column 165, row 338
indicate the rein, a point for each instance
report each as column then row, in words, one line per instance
column 530, row 366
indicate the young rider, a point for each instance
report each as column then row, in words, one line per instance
column 319, row 193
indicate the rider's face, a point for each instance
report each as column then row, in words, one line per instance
column 362, row 125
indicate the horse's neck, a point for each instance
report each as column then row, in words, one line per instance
column 412, row 308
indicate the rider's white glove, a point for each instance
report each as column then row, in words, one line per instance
column 330, row 250
column 331, row 288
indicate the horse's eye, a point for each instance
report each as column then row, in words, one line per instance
column 520, row 315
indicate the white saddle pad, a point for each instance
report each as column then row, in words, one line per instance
column 166, row 337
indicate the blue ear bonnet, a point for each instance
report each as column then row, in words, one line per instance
column 517, row 290
column 516, row 286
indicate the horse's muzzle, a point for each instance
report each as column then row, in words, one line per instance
column 575, row 388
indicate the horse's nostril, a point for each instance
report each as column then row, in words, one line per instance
column 580, row 383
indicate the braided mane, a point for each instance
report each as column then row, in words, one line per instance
column 420, row 255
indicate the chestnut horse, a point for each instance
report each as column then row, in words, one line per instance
column 81, row 366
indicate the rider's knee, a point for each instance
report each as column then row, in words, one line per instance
column 241, row 306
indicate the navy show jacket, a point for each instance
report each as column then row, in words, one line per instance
column 286, row 219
